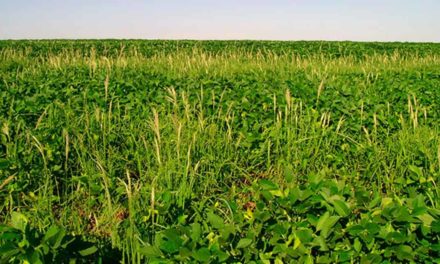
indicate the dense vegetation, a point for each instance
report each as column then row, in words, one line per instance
column 219, row 151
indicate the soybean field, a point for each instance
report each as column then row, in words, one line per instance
column 154, row 151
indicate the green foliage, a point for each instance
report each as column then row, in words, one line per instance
column 219, row 151
column 300, row 224
column 19, row 243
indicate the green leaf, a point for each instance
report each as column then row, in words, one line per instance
column 435, row 226
column 316, row 178
column 35, row 258
column 297, row 242
column 222, row 256
column 416, row 170
column 372, row 228
column 19, row 221
column 10, row 236
column 184, row 252
column 228, row 230
column 150, row 251
column 371, row 259
column 182, row 219
column 309, row 260
column 88, row 251
column 53, row 230
column 169, row 246
column 294, row 194
column 305, row 235
column 357, row 245
column 4, row 164
column 362, row 196
column 341, row 208
column 215, row 220
column 320, row 241
column 244, row 242
column 404, row 252
column 171, row 242
column 376, row 200
column 8, row 250
column 267, row 185
column 325, row 223
column 58, row 239
column 196, row 231
column 288, row 173
column 322, row 220
column 426, row 219
column 202, row 255
column 396, row 237
column 401, row 214
column 355, row 230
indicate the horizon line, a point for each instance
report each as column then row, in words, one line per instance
column 221, row 39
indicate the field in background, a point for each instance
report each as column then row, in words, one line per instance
column 219, row 151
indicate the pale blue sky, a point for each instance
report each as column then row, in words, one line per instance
column 370, row 20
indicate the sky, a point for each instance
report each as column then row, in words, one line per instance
column 357, row 20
